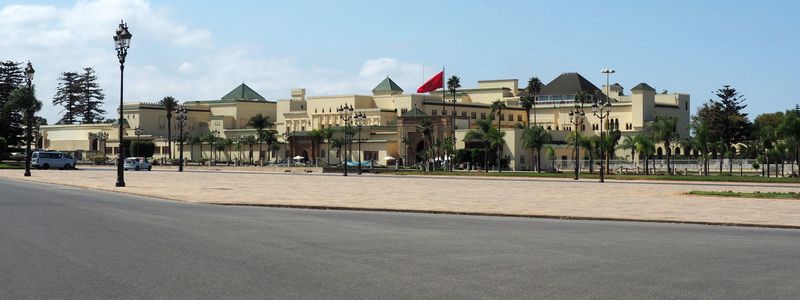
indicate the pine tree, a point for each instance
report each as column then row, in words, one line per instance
column 92, row 100
column 11, row 77
column 70, row 96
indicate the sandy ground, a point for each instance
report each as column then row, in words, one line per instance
column 640, row 200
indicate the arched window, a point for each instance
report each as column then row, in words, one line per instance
column 660, row 153
column 677, row 151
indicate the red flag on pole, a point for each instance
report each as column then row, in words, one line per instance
column 436, row 82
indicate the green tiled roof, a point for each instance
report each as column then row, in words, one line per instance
column 415, row 112
column 643, row 87
column 243, row 92
column 387, row 85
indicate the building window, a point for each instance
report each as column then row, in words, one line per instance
column 483, row 116
column 583, row 127
column 502, row 117
column 444, row 112
column 433, row 112
column 519, row 118
column 510, row 117
column 473, row 115
column 463, row 114
column 404, row 110
column 686, row 105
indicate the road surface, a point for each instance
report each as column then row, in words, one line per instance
column 58, row 242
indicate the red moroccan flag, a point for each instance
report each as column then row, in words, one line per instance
column 436, row 82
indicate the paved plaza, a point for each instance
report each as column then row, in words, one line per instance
column 633, row 200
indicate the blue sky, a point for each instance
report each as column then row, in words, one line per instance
column 201, row 49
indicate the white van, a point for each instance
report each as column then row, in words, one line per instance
column 49, row 159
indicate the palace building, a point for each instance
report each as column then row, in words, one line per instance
column 389, row 129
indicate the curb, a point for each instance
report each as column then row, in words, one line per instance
column 552, row 217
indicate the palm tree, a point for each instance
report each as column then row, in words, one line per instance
column 663, row 130
column 268, row 137
column 551, row 154
column 535, row 138
column 453, row 84
column 497, row 108
column 225, row 146
column 425, row 128
column 629, row 143
column 327, row 134
column 406, row 141
column 646, row 147
column 528, row 102
column 338, row 143
column 259, row 122
column 480, row 135
column 316, row 136
column 249, row 140
column 496, row 140
column 170, row 104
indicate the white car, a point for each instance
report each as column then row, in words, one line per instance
column 137, row 164
column 51, row 159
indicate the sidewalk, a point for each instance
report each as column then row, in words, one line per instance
column 629, row 200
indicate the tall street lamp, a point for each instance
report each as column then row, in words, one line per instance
column 346, row 114
column 29, row 117
column 180, row 117
column 576, row 119
column 601, row 110
column 122, row 41
column 138, row 131
column 360, row 119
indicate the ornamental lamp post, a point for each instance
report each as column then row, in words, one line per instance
column 122, row 41
column 601, row 110
column 576, row 119
column 180, row 117
column 29, row 117
column 360, row 119
column 346, row 114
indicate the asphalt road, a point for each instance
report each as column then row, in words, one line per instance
column 58, row 242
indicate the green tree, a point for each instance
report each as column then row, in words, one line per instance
column 259, row 122
column 338, row 144
column 91, row 104
column 327, row 134
column 23, row 102
column 664, row 130
column 646, row 148
column 529, row 101
column 170, row 105
column 497, row 109
column 11, row 77
column 629, row 143
column 425, row 129
column 453, row 84
column 481, row 135
column 270, row 138
column 69, row 95
column 534, row 138
column 316, row 137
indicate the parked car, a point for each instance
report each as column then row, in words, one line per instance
column 52, row 159
column 137, row 164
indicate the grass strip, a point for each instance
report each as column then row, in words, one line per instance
column 757, row 194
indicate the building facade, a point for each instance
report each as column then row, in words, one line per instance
column 390, row 131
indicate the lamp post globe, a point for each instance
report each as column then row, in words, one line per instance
column 122, row 41
column 29, row 71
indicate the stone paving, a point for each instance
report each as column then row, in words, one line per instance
column 637, row 200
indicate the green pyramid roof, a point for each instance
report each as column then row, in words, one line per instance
column 243, row 92
column 643, row 87
column 387, row 85
column 415, row 112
